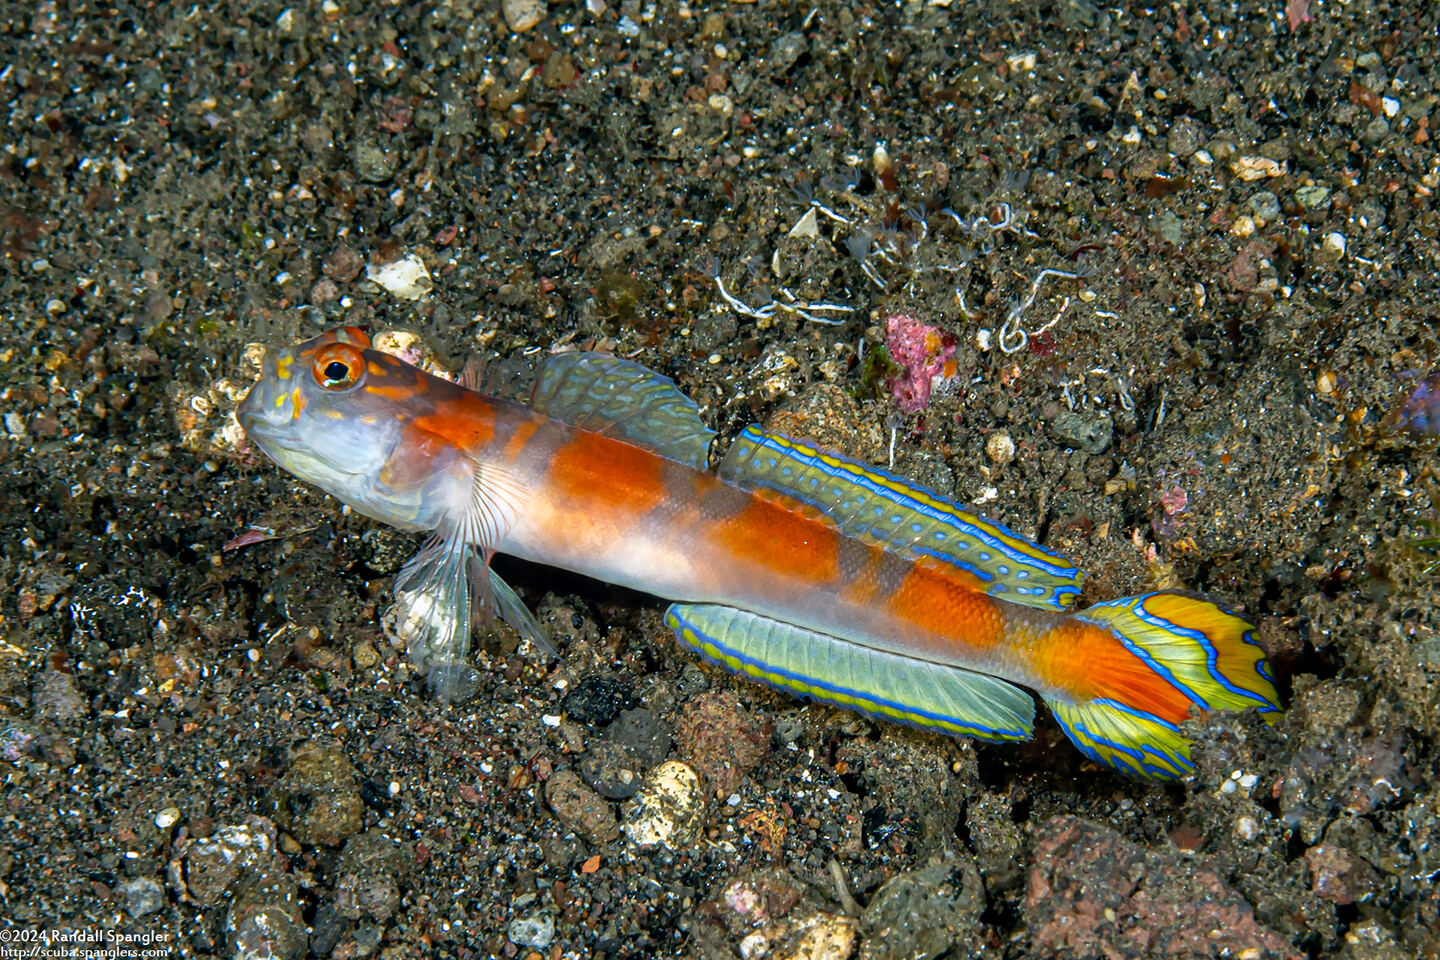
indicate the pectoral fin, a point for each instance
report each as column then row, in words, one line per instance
column 439, row 595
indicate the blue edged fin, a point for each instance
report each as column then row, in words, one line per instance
column 1123, row 738
column 881, row 508
column 623, row 400
column 1191, row 653
column 836, row 671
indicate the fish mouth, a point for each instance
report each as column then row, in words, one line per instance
column 267, row 404
column 260, row 418
column 299, row 458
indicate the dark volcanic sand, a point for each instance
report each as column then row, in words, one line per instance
column 222, row 747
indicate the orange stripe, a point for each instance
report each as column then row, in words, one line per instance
column 518, row 440
column 947, row 602
column 768, row 535
column 391, row 391
column 1087, row 661
column 607, row 474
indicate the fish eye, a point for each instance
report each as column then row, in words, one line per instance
column 337, row 366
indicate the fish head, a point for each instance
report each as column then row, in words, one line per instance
column 333, row 412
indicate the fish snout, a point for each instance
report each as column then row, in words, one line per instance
column 268, row 401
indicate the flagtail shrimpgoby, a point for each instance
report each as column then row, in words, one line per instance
column 794, row 566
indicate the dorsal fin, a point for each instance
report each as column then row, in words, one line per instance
column 905, row 518
column 622, row 400
column 499, row 378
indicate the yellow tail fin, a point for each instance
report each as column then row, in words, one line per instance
column 1191, row 652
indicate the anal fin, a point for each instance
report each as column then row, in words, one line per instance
column 846, row 674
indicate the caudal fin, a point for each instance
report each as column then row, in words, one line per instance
column 1185, row 651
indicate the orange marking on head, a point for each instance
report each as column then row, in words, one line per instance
column 298, row 401
column 375, row 369
column 948, row 602
column 607, row 473
column 391, row 391
column 467, row 430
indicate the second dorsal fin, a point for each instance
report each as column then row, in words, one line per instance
column 624, row 400
column 903, row 517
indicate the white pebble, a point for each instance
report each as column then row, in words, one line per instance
column 999, row 447
column 668, row 811
column 1257, row 168
column 406, row 277
column 523, row 15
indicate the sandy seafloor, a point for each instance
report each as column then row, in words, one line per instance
column 220, row 748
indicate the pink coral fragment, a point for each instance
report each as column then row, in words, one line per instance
column 1297, row 12
column 1173, row 501
column 924, row 355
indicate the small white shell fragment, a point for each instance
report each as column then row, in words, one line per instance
column 167, row 818
column 754, row 947
column 999, row 447
column 881, row 159
column 807, row 226
column 1021, row 62
column 669, row 809
column 523, row 15
column 1334, row 244
column 1257, row 168
column 406, row 278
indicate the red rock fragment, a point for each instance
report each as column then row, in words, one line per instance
column 1094, row 894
